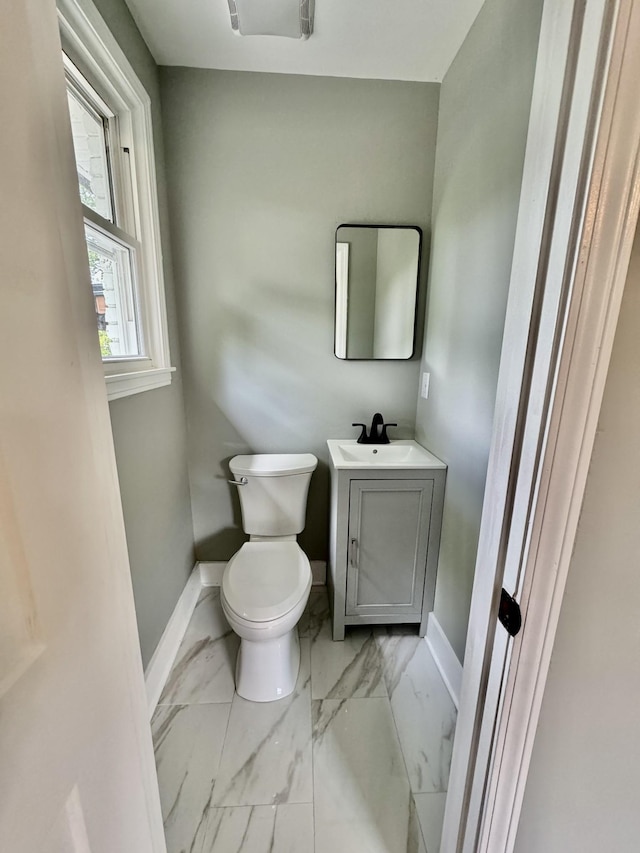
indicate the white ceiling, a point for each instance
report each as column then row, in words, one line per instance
column 379, row 39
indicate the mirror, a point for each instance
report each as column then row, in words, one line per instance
column 377, row 269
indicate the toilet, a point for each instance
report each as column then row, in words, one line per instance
column 266, row 584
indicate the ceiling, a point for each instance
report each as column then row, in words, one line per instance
column 379, row 39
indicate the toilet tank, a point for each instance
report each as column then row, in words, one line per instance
column 274, row 498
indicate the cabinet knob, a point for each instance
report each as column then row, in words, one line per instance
column 353, row 555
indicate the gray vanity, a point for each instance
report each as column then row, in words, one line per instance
column 386, row 514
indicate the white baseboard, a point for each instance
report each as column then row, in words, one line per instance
column 446, row 659
column 211, row 572
column 159, row 666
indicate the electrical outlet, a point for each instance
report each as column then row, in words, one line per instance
column 424, row 392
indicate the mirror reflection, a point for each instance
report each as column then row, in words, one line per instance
column 376, row 291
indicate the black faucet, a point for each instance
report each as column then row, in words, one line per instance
column 377, row 433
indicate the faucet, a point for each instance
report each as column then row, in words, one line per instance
column 377, row 433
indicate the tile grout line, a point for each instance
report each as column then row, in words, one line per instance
column 313, row 776
column 224, row 741
column 404, row 759
column 311, row 700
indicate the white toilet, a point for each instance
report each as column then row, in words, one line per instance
column 266, row 585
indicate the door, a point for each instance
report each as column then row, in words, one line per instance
column 388, row 537
column 578, row 210
column 598, row 253
column 76, row 760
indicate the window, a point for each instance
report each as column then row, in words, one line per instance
column 111, row 127
column 109, row 225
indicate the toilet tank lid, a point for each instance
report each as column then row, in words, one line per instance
column 273, row 464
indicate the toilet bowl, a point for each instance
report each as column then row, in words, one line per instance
column 266, row 584
column 265, row 589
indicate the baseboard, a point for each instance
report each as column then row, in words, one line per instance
column 160, row 664
column 211, row 572
column 446, row 659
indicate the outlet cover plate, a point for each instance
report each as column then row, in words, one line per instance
column 424, row 389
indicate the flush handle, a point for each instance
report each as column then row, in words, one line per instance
column 353, row 557
column 241, row 482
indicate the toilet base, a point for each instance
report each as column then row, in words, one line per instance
column 268, row 670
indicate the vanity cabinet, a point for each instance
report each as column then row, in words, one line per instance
column 385, row 536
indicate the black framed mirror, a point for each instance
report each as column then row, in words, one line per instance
column 377, row 274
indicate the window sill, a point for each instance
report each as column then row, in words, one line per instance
column 135, row 382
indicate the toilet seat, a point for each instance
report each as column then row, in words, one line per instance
column 263, row 581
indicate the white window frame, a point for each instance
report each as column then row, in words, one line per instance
column 92, row 47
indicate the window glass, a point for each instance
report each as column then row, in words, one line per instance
column 92, row 163
column 110, row 118
column 111, row 265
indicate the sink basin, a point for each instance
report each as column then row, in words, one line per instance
column 405, row 453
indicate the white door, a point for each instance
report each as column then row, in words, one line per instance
column 593, row 275
column 76, row 760
column 576, row 224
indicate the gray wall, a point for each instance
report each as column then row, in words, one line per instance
column 484, row 109
column 584, row 781
column 149, row 429
column 396, row 271
column 363, row 252
column 261, row 169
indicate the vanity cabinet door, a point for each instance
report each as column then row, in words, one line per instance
column 388, row 536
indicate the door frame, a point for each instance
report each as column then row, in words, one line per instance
column 576, row 224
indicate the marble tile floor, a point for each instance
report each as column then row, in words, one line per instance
column 356, row 760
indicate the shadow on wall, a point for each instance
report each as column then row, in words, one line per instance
column 229, row 539
column 256, row 194
column 254, row 396
column 226, row 542
column 459, row 540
